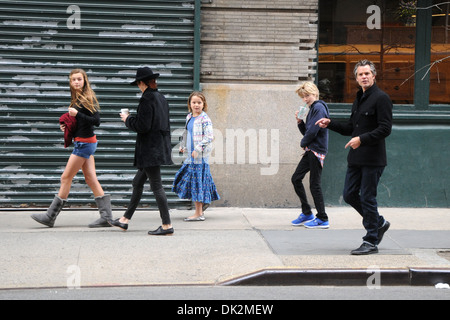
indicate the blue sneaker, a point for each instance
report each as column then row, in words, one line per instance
column 317, row 224
column 302, row 219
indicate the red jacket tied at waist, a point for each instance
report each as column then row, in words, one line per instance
column 71, row 126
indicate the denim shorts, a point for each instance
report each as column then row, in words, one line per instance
column 84, row 149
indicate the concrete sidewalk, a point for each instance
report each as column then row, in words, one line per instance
column 233, row 246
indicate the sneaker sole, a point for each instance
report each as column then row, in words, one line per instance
column 300, row 224
column 317, row 227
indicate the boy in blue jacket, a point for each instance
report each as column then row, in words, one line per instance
column 315, row 144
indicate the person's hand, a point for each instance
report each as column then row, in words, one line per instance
column 194, row 154
column 354, row 143
column 323, row 123
column 124, row 116
column 62, row 127
column 73, row 112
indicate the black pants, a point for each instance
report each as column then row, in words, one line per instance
column 310, row 163
column 360, row 191
column 154, row 175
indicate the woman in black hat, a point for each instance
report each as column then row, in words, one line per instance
column 153, row 144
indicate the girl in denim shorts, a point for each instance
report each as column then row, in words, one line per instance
column 84, row 108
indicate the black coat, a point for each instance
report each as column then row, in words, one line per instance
column 152, row 125
column 371, row 121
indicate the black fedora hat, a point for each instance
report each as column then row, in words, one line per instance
column 144, row 74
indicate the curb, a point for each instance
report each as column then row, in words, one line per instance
column 342, row 277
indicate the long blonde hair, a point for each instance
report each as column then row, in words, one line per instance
column 86, row 98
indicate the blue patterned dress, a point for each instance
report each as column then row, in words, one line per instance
column 194, row 181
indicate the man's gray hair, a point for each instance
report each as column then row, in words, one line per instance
column 363, row 63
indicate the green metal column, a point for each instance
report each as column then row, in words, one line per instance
column 423, row 55
column 197, row 37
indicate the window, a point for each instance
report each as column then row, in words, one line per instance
column 384, row 32
column 440, row 54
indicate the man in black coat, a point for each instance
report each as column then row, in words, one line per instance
column 153, row 143
column 369, row 124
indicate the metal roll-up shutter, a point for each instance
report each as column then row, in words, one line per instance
column 40, row 43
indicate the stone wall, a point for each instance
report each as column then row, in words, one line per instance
column 262, row 40
column 254, row 55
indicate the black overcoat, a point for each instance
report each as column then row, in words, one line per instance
column 152, row 125
column 371, row 121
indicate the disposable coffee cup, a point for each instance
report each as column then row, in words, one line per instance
column 302, row 112
column 124, row 111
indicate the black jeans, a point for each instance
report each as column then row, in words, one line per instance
column 310, row 163
column 154, row 175
column 360, row 191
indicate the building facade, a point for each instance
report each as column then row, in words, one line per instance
column 248, row 57
column 254, row 55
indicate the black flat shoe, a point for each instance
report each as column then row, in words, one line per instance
column 117, row 223
column 161, row 232
column 365, row 248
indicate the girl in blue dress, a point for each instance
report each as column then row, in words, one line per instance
column 194, row 181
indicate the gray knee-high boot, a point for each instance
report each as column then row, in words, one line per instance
column 104, row 207
column 49, row 217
